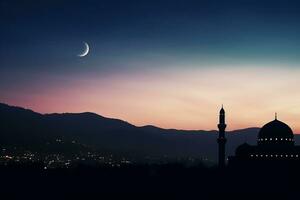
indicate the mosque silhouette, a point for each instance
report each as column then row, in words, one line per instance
column 275, row 145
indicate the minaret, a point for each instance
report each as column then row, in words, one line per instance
column 222, row 140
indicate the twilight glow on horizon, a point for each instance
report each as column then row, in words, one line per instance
column 170, row 64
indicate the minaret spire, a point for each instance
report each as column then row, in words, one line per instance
column 276, row 116
column 221, row 139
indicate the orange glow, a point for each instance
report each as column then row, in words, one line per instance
column 182, row 98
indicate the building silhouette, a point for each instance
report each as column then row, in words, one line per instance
column 275, row 144
column 221, row 139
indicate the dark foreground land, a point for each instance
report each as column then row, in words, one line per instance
column 170, row 181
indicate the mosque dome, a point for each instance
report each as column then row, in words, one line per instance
column 275, row 132
column 242, row 149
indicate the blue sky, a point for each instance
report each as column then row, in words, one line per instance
column 151, row 42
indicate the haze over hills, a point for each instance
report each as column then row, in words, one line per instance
column 26, row 128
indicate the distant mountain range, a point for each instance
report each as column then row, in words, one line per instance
column 22, row 127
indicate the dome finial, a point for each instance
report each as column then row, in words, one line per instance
column 276, row 116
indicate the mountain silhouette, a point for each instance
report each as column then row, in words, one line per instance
column 22, row 127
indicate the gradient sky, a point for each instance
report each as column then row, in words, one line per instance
column 166, row 63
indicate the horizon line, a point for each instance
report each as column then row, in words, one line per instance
column 138, row 126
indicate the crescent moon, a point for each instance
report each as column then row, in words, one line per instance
column 86, row 50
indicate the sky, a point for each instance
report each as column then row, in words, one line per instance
column 170, row 64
